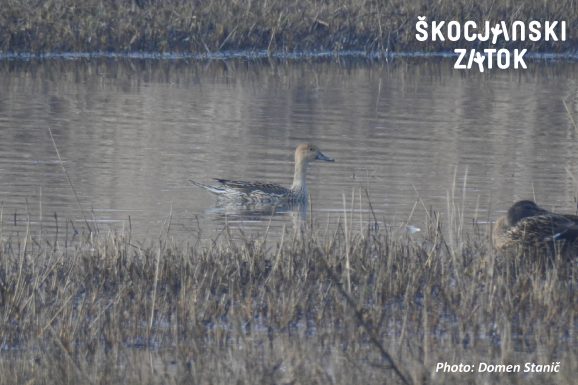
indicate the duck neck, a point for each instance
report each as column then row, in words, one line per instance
column 299, row 177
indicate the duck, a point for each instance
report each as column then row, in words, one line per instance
column 527, row 224
column 269, row 193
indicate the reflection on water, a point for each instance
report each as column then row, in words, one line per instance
column 132, row 133
column 237, row 214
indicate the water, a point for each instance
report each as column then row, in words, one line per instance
column 131, row 133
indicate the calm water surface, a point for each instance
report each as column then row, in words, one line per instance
column 132, row 133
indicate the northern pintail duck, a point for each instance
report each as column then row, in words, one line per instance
column 526, row 224
column 268, row 193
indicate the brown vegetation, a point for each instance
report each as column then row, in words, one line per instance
column 283, row 26
column 310, row 308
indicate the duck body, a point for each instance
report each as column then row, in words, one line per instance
column 243, row 192
column 526, row 224
column 253, row 192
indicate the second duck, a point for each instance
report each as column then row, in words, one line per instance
column 527, row 224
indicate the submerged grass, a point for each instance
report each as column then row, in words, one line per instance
column 34, row 26
column 350, row 306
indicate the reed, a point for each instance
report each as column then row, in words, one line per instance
column 353, row 305
column 202, row 26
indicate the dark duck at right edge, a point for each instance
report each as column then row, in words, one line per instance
column 528, row 225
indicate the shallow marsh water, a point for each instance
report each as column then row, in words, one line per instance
column 413, row 132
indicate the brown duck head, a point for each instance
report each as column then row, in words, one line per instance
column 524, row 209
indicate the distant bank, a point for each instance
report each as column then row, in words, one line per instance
column 209, row 26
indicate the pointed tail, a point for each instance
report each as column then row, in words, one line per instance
column 212, row 189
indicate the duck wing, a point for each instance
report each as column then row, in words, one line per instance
column 544, row 228
column 572, row 217
column 252, row 188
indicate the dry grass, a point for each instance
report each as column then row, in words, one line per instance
column 277, row 25
column 249, row 311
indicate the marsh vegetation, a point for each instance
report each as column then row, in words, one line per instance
column 342, row 305
column 277, row 25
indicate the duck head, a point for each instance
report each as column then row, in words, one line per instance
column 309, row 153
column 523, row 209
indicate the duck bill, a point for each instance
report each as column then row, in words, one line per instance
column 321, row 156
